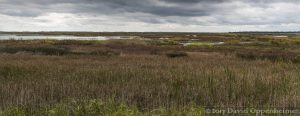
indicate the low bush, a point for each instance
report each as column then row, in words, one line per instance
column 175, row 54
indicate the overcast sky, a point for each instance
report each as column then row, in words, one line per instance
column 150, row 15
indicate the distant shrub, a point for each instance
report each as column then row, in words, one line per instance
column 124, row 42
column 273, row 56
column 279, row 42
column 172, row 42
column 37, row 50
column 297, row 59
column 232, row 41
column 175, row 54
column 297, row 42
column 155, row 52
column 154, row 42
column 246, row 39
column 294, row 43
column 78, row 42
column 263, row 39
column 105, row 53
column 163, row 42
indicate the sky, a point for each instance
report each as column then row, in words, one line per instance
column 150, row 15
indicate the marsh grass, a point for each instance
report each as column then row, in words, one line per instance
column 147, row 82
column 105, row 53
column 269, row 55
column 97, row 108
column 129, row 80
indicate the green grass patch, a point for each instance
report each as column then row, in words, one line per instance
column 96, row 108
column 162, row 42
column 199, row 44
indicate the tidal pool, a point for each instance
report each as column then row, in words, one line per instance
column 60, row 37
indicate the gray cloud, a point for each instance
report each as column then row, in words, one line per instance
column 152, row 12
column 156, row 7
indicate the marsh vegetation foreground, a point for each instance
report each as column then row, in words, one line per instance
column 151, row 76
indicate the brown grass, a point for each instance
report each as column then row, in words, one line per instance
column 148, row 82
column 208, row 77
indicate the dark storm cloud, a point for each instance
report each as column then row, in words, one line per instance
column 183, row 12
column 155, row 7
column 195, row 1
column 181, row 7
column 16, row 7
